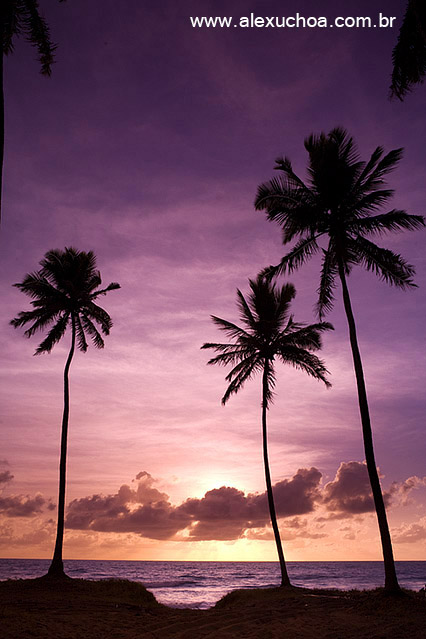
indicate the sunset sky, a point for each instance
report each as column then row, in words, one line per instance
column 146, row 145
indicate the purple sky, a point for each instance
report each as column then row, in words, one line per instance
column 147, row 145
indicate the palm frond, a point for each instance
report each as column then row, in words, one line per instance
column 111, row 287
column 239, row 375
column 301, row 252
column 369, row 166
column 307, row 337
column 309, row 363
column 365, row 203
column 232, row 330
column 327, row 285
column 228, row 353
column 245, row 310
column 395, row 220
column 388, row 163
column 54, row 335
column 409, row 54
column 37, row 33
column 40, row 318
column 389, row 266
column 91, row 329
column 95, row 312
column 81, row 337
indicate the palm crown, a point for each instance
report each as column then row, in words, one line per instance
column 63, row 293
column 269, row 333
column 340, row 199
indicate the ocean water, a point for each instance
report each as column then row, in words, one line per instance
column 197, row 584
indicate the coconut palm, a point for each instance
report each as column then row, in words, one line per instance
column 269, row 333
column 64, row 291
column 340, row 201
column 22, row 18
column 409, row 54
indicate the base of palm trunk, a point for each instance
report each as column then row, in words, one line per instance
column 394, row 591
column 56, row 570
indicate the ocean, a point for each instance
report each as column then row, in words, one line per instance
column 198, row 584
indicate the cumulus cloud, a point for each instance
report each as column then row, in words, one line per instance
column 22, row 505
column 222, row 514
column 403, row 489
column 410, row 533
column 226, row 513
column 143, row 510
column 19, row 505
column 350, row 491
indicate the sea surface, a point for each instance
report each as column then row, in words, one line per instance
column 199, row 584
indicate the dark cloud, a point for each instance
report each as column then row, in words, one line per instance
column 227, row 513
column 222, row 514
column 21, row 505
column 350, row 492
column 5, row 477
column 144, row 510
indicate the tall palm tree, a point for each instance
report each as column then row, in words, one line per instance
column 409, row 54
column 22, row 18
column 64, row 291
column 269, row 334
column 340, row 201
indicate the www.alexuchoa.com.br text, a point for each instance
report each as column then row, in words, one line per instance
column 381, row 21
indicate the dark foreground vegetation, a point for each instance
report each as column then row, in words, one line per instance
column 74, row 608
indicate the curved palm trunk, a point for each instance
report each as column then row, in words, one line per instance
column 391, row 581
column 56, row 567
column 285, row 581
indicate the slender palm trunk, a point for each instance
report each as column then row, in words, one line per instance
column 285, row 581
column 391, row 581
column 56, row 567
column 1, row 122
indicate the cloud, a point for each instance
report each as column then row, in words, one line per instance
column 350, row 492
column 222, row 514
column 410, row 533
column 144, row 511
column 5, row 477
column 22, row 505
column 41, row 534
column 295, row 528
column 403, row 489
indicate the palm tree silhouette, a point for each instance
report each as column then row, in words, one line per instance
column 64, row 291
column 269, row 334
column 338, row 201
column 409, row 53
column 22, row 18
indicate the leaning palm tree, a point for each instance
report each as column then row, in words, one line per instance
column 22, row 18
column 269, row 334
column 64, row 291
column 409, row 54
column 340, row 201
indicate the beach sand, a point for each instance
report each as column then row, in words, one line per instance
column 118, row 609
